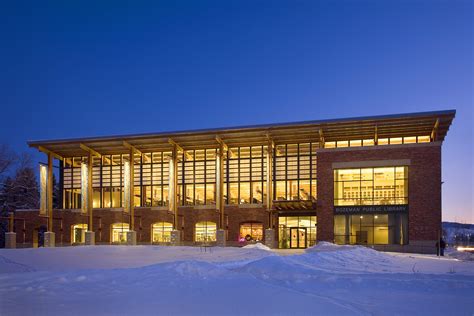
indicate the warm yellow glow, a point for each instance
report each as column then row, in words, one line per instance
column 43, row 189
column 161, row 232
column 465, row 248
column 78, row 232
column 84, row 187
column 424, row 139
column 126, row 186
column 119, row 232
column 205, row 231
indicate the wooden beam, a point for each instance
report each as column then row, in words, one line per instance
column 90, row 150
column 49, row 152
column 178, row 147
column 221, row 142
column 321, row 138
column 434, row 132
column 131, row 147
column 376, row 135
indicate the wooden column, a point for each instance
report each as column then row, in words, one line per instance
column 220, row 186
column 132, row 189
column 49, row 192
column 269, row 179
column 173, row 186
column 89, row 193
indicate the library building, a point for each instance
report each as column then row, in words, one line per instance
column 372, row 181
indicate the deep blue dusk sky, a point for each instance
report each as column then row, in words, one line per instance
column 77, row 68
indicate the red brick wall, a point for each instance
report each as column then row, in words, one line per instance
column 144, row 219
column 424, row 186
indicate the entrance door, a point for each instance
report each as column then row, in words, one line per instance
column 298, row 237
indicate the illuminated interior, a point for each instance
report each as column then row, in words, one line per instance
column 371, row 186
column 78, row 233
column 251, row 231
column 161, row 232
column 119, row 232
column 205, row 232
column 380, row 141
column 296, row 231
column 371, row 229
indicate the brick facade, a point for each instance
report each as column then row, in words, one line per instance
column 424, row 186
column 424, row 220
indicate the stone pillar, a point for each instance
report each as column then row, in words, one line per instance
column 90, row 238
column 49, row 239
column 131, row 238
column 221, row 235
column 10, row 240
column 270, row 240
column 175, row 237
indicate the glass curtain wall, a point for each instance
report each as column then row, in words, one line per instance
column 245, row 175
column 197, row 177
column 295, row 172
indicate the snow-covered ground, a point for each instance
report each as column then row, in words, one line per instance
column 326, row 279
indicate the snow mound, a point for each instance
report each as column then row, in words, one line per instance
column 188, row 268
column 10, row 266
column 460, row 255
column 257, row 246
column 327, row 246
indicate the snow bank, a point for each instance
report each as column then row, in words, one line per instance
column 327, row 246
column 257, row 246
column 460, row 255
column 327, row 280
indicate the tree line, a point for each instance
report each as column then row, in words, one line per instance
column 19, row 186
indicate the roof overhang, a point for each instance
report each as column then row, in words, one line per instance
column 412, row 124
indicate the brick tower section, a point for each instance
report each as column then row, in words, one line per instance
column 424, row 185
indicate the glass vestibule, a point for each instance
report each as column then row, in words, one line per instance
column 371, row 229
column 296, row 231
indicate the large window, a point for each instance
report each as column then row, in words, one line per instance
column 371, row 186
column 371, row 229
column 251, row 231
column 119, row 232
column 205, row 232
column 161, row 232
column 295, row 172
column 197, row 177
column 245, row 175
column 155, row 178
column 72, row 182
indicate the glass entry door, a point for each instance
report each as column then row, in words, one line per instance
column 297, row 237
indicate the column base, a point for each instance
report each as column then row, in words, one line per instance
column 90, row 238
column 175, row 237
column 49, row 239
column 221, row 239
column 131, row 238
column 10, row 240
column 270, row 238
